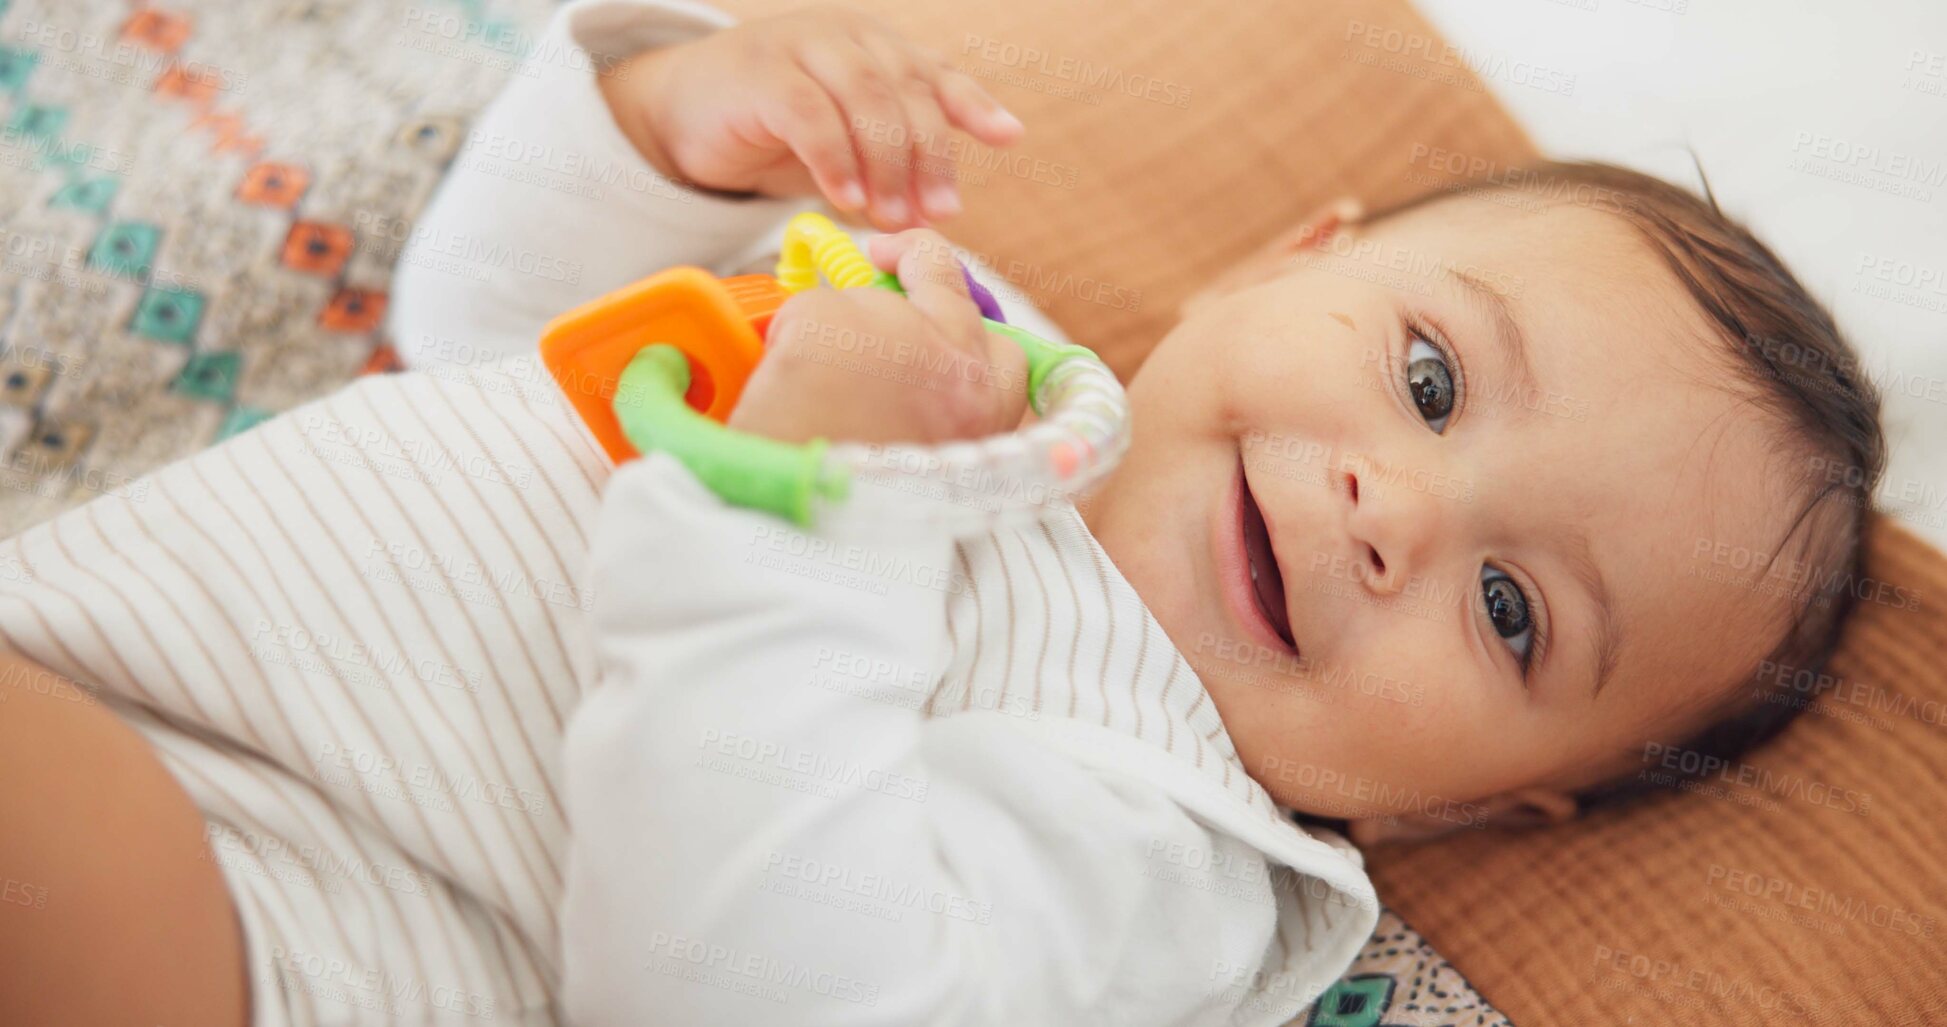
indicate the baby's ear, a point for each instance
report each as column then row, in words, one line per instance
column 1315, row 228
column 1274, row 257
column 1523, row 807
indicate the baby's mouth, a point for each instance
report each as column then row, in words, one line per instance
column 1267, row 580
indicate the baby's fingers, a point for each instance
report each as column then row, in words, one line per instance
column 803, row 117
column 877, row 119
column 934, row 282
column 966, row 103
column 931, row 160
column 985, row 375
column 972, row 107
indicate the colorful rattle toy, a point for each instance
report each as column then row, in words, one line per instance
column 659, row 366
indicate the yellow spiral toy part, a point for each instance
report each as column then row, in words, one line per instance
column 813, row 245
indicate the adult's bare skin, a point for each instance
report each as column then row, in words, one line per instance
column 111, row 910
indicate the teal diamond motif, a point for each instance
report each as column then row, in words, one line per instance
column 37, row 121
column 1353, row 1002
column 125, row 248
column 168, row 315
column 211, row 376
column 90, row 194
column 240, row 420
column 16, row 65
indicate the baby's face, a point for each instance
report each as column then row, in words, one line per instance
column 1437, row 509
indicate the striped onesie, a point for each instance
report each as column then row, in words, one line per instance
column 485, row 730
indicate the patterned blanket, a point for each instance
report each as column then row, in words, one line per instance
column 200, row 208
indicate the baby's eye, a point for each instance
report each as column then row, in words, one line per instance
column 1430, row 382
column 1507, row 610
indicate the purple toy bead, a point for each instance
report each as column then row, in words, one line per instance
column 990, row 308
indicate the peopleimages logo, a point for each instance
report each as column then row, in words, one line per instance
column 862, row 566
column 1081, row 72
column 1276, row 664
column 1418, row 48
column 1701, row 766
column 332, row 977
column 1366, row 793
column 359, row 766
column 1819, row 900
column 875, row 888
column 676, row 951
column 1765, row 572
column 1804, row 685
column 796, row 762
column 1638, row 967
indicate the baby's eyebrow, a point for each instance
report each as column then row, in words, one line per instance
column 1507, row 333
column 1606, row 639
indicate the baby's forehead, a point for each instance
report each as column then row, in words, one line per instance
column 1586, row 284
column 1520, row 235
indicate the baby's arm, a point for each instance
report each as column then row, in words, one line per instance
column 549, row 205
column 761, row 826
column 753, row 841
column 568, row 186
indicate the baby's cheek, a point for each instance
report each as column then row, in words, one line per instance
column 1411, row 729
column 1295, row 361
column 1404, row 694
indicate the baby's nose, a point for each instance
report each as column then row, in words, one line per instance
column 1391, row 526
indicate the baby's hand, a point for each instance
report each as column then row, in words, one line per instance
column 820, row 98
column 869, row 365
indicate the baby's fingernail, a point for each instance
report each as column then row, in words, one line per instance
column 941, row 199
column 851, row 195
column 1005, row 119
column 893, row 209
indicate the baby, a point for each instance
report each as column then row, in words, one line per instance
column 477, row 720
column 1499, row 501
column 1439, row 555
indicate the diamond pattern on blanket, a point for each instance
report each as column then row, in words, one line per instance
column 197, row 187
column 1399, row 981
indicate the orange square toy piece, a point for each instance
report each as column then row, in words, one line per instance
column 716, row 322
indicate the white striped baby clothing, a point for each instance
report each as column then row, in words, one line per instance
column 354, row 635
column 915, row 781
column 357, row 633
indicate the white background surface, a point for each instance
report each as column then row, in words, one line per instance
column 1822, row 125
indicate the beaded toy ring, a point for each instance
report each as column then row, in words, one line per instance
column 660, row 364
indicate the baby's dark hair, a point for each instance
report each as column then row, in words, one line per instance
column 1786, row 354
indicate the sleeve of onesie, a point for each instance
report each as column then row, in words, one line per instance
column 755, row 840
column 548, row 205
